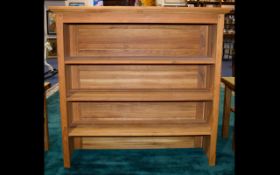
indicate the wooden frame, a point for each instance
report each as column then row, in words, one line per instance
column 111, row 57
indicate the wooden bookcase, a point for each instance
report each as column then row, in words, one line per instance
column 229, row 28
column 139, row 77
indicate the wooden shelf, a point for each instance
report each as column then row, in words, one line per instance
column 141, row 95
column 139, row 60
column 142, row 130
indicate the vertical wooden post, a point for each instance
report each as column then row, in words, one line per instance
column 66, row 142
column 212, row 141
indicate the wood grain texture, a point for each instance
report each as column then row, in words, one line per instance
column 134, row 17
column 145, row 60
column 62, row 92
column 139, row 77
column 66, row 40
column 140, row 14
column 140, row 40
column 139, row 142
column 136, row 95
column 136, row 112
column 116, row 63
column 216, row 92
column 78, row 143
column 139, row 9
column 73, row 38
column 183, row 129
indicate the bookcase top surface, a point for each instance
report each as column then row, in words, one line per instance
column 209, row 10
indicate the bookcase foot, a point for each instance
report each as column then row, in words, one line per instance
column 67, row 163
column 67, row 152
column 209, row 147
column 212, row 160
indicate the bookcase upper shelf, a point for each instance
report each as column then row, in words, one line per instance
column 139, row 9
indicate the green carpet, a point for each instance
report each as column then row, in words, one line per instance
column 134, row 162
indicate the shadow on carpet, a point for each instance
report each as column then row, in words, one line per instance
column 135, row 162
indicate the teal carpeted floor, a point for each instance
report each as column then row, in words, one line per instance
column 135, row 162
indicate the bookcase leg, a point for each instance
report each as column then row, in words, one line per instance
column 67, row 151
column 209, row 145
column 212, row 151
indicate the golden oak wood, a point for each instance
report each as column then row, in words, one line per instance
column 138, row 60
column 140, row 14
column 140, row 95
column 139, row 77
column 136, row 112
column 216, row 90
column 66, row 142
column 139, row 142
column 138, row 9
column 119, row 129
column 140, row 40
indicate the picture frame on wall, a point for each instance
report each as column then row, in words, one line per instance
column 51, row 28
column 52, row 53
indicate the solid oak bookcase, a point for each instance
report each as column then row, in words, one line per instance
column 139, row 77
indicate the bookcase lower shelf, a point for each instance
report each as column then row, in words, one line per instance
column 140, row 136
column 142, row 130
column 137, row 136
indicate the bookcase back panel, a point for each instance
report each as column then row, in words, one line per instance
column 136, row 112
column 139, row 77
column 138, row 40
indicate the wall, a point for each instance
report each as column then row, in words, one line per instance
column 49, row 3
